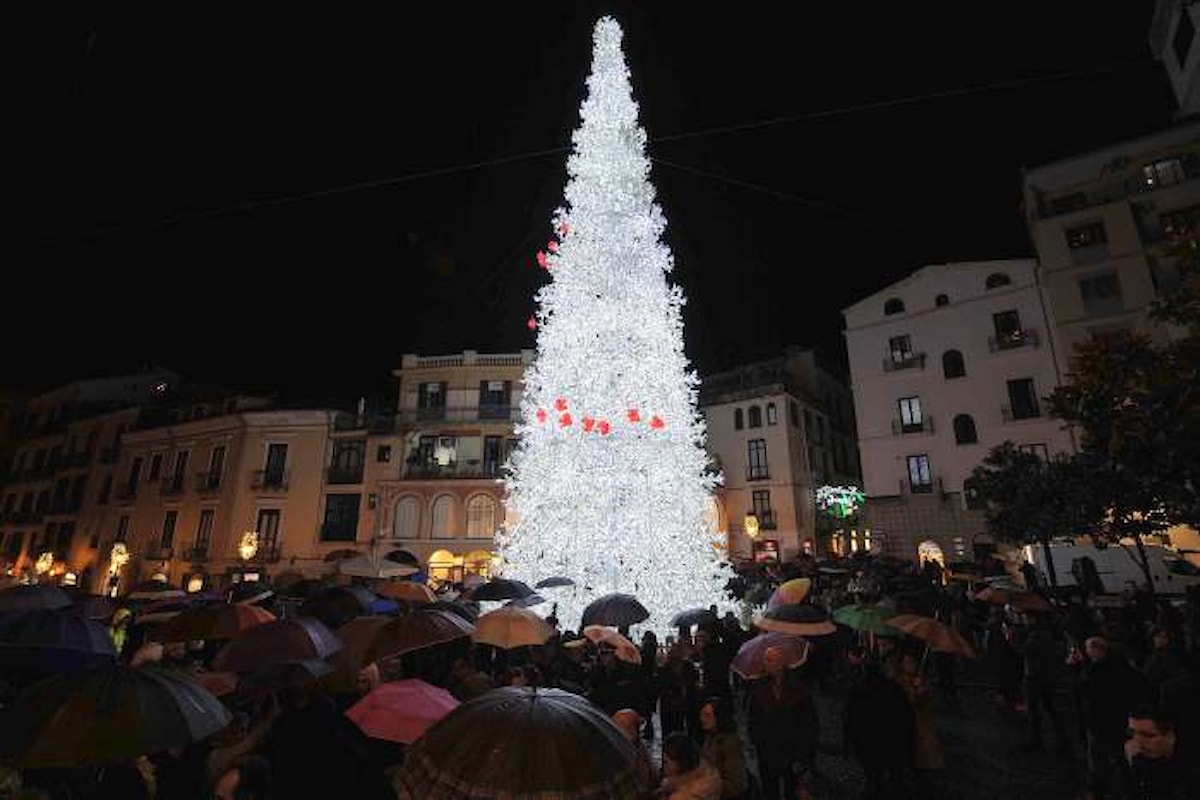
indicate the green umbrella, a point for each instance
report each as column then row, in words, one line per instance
column 866, row 618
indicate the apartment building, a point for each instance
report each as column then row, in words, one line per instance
column 946, row 364
column 1103, row 224
column 778, row 430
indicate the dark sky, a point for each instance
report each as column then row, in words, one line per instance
column 168, row 118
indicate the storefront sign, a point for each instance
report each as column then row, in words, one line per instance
column 766, row 551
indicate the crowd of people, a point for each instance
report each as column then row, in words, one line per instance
column 1118, row 687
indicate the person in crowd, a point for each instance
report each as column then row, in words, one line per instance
column 714, row 658
column 687, row 776
column 783, row 726
column 1164, row 662
column 630, row 723
column 247, row 779
column 514, row 676
column 929, row 754
column 722, row 747
column 878, row 725
column 466, row 681
column 677, row 693
column 1154, row 768
column 649, row 668
column 1040, row 661
column 1004, row 663
column 1181, row 695
column 1108, row 689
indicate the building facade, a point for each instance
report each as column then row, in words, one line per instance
column 946, row 364
column 1173, row 42
column 1103, row 224
column 778, row 430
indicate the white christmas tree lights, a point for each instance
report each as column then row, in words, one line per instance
column 609, row 482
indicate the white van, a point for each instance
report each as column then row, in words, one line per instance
column 1117, row 566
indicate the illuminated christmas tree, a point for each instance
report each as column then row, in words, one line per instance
column 610, row 484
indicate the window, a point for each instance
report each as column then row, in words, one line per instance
column 755, row 417
column 492, row 456
column 756, row 465
column 204, row 532
column 772, row 416
column 383, row 453
column 348, row 454
column 407, row 521
column 62, row 541
column 901, row 349
column 155, row 467
column 105, row 490
column 762, row 508
column 43, row 502
column 1023, row 402
column 494, row 399
column 893, row 306
column 941, row 300
column 443, row 517
column 1185, row 31
column 794, row 414
column 1007, row 325
column 1090, row 234
column 181, row 463
column 123, row 528
column 481, row 517
column 964, row 430
column 216, row 463
column 919, row 479
column 431, row 401
column 167, row 540
column 1101, row 294
column 268, row 531
column 953, row 365
column 78, row 487
column 910, row 414
column 996, row 280
column 1040, row 450
column 739, row 420
column 1179, row 223
column 276, row 463
column 341, row 518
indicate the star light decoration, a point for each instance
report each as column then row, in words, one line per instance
column 840, row 502
column 609, row 482
column 117, row 558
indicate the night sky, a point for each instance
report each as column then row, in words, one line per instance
column 226, row 195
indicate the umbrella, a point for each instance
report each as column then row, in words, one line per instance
column 471, row 580
column 526, row 602
column 553, row 582
column 93, row 606
column 625, row 650
column 403, row 557
column 337, row 605
column 305, row 587
column 21, row 598
column 999, row 595
column 357, row 636
column 161, row 611
column 833, row 570
column 511, row 627
column 154, row 590
column 749, row 660
column 619, row 610
column 218, row 621
column 249, row 592
column 501, row 589
column 867, row 618
column 695, row 616
column 407, row 590
column 401, row 711
column 940, row 637
column 522, row 743
column 793, row 591
column 113, row 713
column 52, row 641
column 420, row 629
column 219, row 683
column 801, row 619
column 468, row 610
column 292, row 639
column 368, row 567
column 281, row 675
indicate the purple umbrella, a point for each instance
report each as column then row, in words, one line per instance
column 749, row 661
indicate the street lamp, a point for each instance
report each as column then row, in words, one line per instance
column 750, row 524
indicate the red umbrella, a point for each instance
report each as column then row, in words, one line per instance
column 401, row 711
column 220, row 621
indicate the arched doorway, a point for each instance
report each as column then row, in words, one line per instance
column 442, row 566
column 930, row 550
column 478, row 562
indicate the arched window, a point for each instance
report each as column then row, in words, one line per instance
column 941, row 300
column 772, row 414
column 739, row 421
column 481, row 517
column 952, row 364
column 443, row 517
column 964, row 430
column 755, row 417
column 893, row 306
column 406, row 521
column 996, row 279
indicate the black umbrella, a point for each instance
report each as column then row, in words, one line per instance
column 694, row 616
column 526, row 602
column 404, row 557
column 467, row 610
column 337, row 605
column 552, row 582
column 22, row 598
column 52, row 641
column 93, row 606
column 522, row 742
column 264, row 646
column 105, row 715
column 617, row 610
column 306, row 587
column 501, row 589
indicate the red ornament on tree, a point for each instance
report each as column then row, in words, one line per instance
column 657, row 423
column 543, row 260
column 565, row 420
column 588, row 424
column 633, row 415
column 560, row 404
column 563, row 229
column 604, row 427
column 552, row 246
column 531, row 323
column 541, row 415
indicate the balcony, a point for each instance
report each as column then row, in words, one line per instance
column 159, row 553
column 171, row 485
column 451, row 471
column 901, row 361
column 344, row 475
column 1014, row 340
column 337, row 532
column 269, row 480
column 766, row 519
column 267, row 554
column 908, row 487
column 208, row 482
column 758, row 472
column 1019, row 413
column 902, row 428
column 486, row 413
column 108, row 455
column 196, row 553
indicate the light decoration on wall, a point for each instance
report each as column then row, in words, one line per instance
column 44, row 562
column 248, row 546
column 609, row 483
column 117, row 558
column 840, row 502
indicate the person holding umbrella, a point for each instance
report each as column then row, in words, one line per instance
column 722, row 746
column 783, row 726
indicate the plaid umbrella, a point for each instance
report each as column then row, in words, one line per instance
column 801, row 619
column 618, row 610
column 521, row 743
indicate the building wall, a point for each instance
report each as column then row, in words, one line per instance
column 901, row 517
column 1172, row 35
